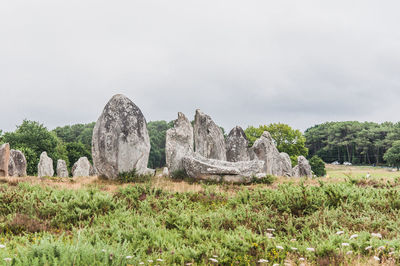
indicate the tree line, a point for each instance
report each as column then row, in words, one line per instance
column 352, row 141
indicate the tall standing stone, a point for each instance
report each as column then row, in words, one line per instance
column 4, row 159
column 82, row 167
column 179, row 143
column 17, row 165
column 237, row 146
column 286, row 164
column 120, row 140
column 303, row 168
column 208, row 137
column 62, row 170
column 265, row 150
column 45, row 166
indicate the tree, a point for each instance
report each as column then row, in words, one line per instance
column 157, row 133
column 317, row 166
column 76, row 150
column 286, row 139
column 34, row 138
column 392, row 155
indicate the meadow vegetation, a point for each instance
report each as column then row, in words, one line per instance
column 343, row 219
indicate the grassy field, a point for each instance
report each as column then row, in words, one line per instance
column 343, row 219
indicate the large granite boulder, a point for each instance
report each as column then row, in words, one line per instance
column 303, row 168
column 4, row 159
column 45, row 166
column 208, row 137
column 265, row 150
column 178, row 143
column 237, row 146
column 120, row 141
column 199, row 167
column 62, row 170
column 17, row 165
column 82, row 167
column 286, row 165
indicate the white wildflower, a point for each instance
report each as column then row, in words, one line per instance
column 103, row 250
column 353, row 236
column 311, row 249
column 345, row 244
column 302, row 259
column 377, row 258
column 292, row 248
column 128, row 257
column 2, row 246
column 293, row 240
column 381, row 248
column 160, row 260
column 275, row 264
column 340, row 232
column 271, row 229
column 279, row 247
column 7, row 259
column 263, row 261
column 349, row 252
column 141, row 263
column 368, row 248
column 151, row 261
column 378, row 235
column 391, row 253
column 215, row 256
column 213, row 260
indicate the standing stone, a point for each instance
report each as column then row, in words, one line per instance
column 17, row 165
column 265, row 150
column 45, row 166
column 165, row 172
column 81, row 167
column 4, row 159
column 302, row 168
column 178, row 143
column 237, row 146
column 120, row 141
column 208, row 137
column 286, row 164
column 62, row 170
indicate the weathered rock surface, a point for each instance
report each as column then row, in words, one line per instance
column 17, row 165
column 199, row 167
column 237, row 146
column 45, row 166
column 265, row 150
column 302, row 168
column 179, row 143
column 81, row 167
column 4, row 159
column 286, row 164
column 62, row 170
column 165, row 171
column 120, row 141
column 208, row 137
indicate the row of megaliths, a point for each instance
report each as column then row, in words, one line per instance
column 12, row 162
column 121, row 143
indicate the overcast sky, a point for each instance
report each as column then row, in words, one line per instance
column 242, row 62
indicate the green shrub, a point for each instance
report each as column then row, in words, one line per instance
column 317, row 166
column 133, row 177
column 268, row 179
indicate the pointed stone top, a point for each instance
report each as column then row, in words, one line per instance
column 237, row 132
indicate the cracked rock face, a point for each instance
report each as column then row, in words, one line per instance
column 208, row 137
column 120, row 141
column 81, row 168
column 199, row 167
column 17, row 165
column 62, row 170
column 45, row 166
column 179, row 143
column 237, row 146
column 302, row 168
column 4, row 159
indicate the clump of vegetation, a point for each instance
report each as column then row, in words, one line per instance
column 179, row 175
column 317, row 166
column 267, row 179
column 133, row 177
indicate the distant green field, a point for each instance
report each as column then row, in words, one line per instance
column 335, row 171
column 85, row 221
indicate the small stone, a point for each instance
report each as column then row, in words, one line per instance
column 45, row 166
column 62, row 170
column 81, row 167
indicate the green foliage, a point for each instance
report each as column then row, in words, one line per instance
column 76, row 150
column 157, row 131
column 179, row 175
column 392, row 155
column 317, row 166
column 48, row 226
column 352, row 141
column 132, row 177
column 286, row 139
column 31, row 159
column 268, row 179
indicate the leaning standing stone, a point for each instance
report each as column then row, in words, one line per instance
column 4, row 159
column 45, row 166
column 62, row 170
column 17, row 165
column 120, row 141
column 208, row 137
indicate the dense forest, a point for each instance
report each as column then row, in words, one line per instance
column 355, row 142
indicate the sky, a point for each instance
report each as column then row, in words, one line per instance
column 242, row 62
